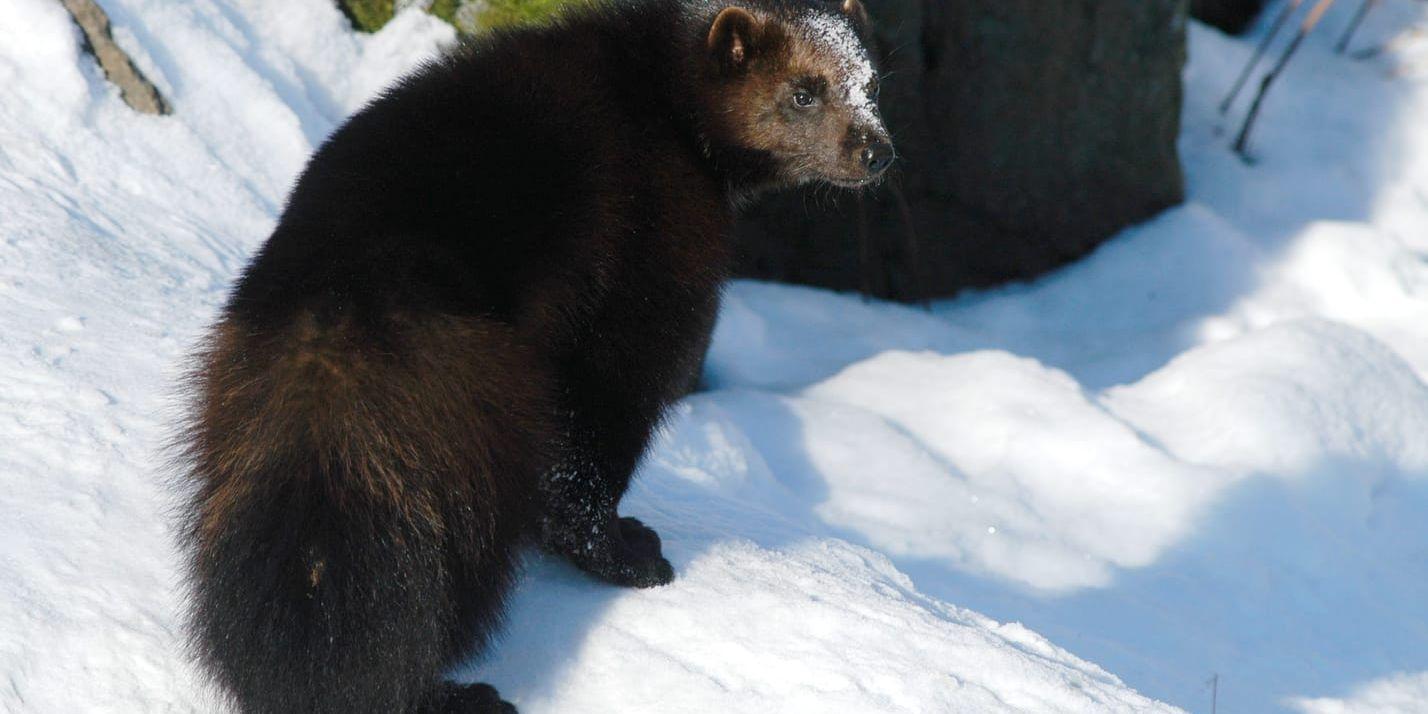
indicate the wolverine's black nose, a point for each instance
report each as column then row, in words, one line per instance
column 878, row 157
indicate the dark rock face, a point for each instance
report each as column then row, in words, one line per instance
column 1030, row 131
column 1232, row 16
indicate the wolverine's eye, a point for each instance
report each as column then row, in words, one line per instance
column 875, row 88
column 804, row 99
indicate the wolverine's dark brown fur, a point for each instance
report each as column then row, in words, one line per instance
column 346, row 425
column 483, row 293
column 381, row 409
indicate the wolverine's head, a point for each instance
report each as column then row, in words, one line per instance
column 795, row 84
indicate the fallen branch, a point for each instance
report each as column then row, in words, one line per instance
column 137, row 91
column 1354, row 26
column 1310, row 22
column 1259, row 52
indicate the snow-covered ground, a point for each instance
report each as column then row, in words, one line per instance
column 1201, row 451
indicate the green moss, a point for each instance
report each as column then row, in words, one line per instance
column 445, row 9
column 507, row 13
column 368, row 15
column 468, row 16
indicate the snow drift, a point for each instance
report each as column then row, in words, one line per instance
column 1203, row 450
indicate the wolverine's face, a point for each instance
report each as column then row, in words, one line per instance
column 803, row 91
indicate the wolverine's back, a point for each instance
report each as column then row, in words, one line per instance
column 518, row 162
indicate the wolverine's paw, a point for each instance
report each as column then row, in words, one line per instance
column 639, row 538
column 622, row 551
column 647, row 567
column 475, row 699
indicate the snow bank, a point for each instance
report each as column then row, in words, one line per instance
column 1284, row 399
column 1398, row 694
column 815, row 625
column 1199, row 451
column 1039, row 506
column 1202, row 450
column 120, row 235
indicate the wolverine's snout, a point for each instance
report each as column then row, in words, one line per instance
column 878, row 157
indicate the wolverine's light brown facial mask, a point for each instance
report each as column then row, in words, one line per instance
column 803, row 89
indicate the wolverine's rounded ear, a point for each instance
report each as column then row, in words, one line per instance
column 854, row 9
column 731, row 38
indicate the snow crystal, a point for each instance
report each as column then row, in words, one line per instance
column 835, row 34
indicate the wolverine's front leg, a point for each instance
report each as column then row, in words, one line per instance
column 582, row 526
column 583, row 491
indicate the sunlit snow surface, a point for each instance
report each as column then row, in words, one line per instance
column 1201, row 451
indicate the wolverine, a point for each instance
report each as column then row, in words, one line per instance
column 482, row 294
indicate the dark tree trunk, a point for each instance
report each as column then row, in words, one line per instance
column 1030, row 131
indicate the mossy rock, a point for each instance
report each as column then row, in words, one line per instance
column 467, row 16
column 368, row 15
column 508, row 13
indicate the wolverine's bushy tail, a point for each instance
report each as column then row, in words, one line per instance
column 301, row 605
column 355, row 512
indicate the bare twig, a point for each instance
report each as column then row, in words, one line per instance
column 1310, row 22
column 1348, row 37
column 1279, row 22
column 1390, row 45
column 138, row 92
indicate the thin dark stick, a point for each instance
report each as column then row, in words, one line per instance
column 1310, row 23
column 1259, row 52
column 1354, row 26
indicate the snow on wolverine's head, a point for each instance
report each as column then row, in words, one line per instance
column 797, row 83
